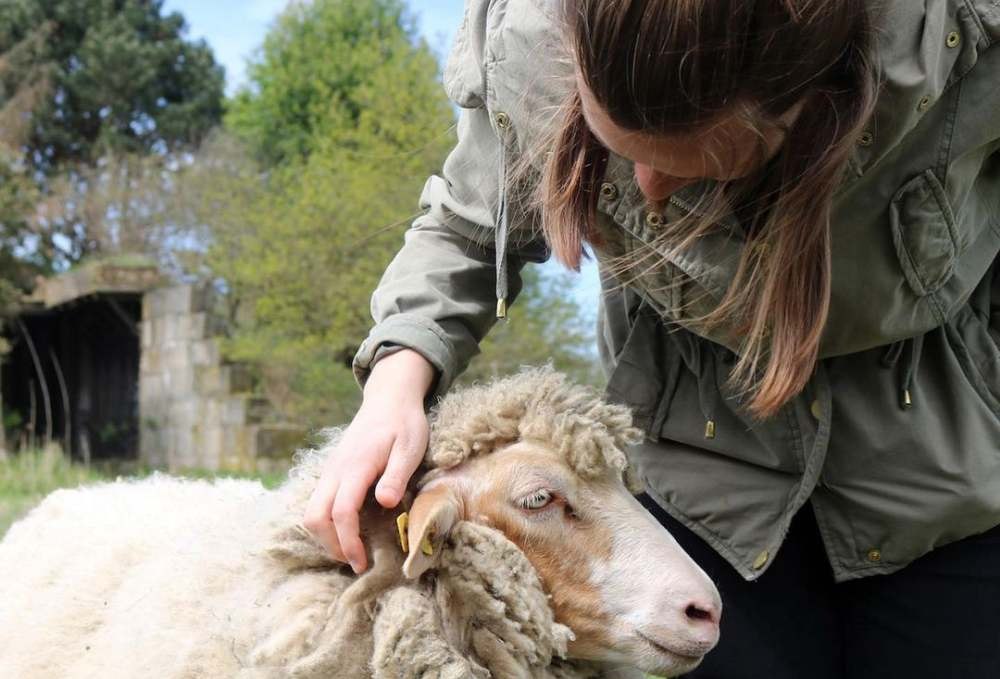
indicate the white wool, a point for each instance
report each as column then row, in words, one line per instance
column 141, row 552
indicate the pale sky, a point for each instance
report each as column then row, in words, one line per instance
column 235, row 28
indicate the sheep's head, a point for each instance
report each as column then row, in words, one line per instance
column 538, row 549
column 541, row 461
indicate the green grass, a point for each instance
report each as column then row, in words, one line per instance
column 26, row 478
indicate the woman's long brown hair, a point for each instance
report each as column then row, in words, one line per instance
column 673, row 66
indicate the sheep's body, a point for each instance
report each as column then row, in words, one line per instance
column 189, row 579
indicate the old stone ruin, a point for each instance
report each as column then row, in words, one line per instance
column 114, row 363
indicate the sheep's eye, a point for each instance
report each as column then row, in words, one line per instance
column 537, row 500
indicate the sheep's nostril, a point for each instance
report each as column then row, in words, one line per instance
column 696, row 614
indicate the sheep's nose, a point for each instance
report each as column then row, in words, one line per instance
column 702, row 617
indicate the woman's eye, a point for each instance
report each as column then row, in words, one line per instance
column 537, row 500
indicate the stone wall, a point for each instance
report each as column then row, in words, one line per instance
column 196, row 410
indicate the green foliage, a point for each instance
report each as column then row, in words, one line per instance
column 104, row 76
column 17, row 195
column 347, row 70
column 88, row 88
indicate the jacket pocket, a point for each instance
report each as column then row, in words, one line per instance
column 923, row 233
column 674, row 382
column 975, row 346
column 703, row 411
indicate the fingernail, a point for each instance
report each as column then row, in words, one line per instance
column 355, row 566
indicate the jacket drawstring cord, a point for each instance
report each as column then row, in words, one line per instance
column 910, row 366
column 708, row 387
column 501, row 233
column 911, row 349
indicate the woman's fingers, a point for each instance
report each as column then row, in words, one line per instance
column 346, row 507
column 388, row 435
column 318, row 517
column 332, row 515
column 404, row 458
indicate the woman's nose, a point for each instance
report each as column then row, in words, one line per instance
column 656, row 186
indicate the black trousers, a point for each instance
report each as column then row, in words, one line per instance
column 938, row 618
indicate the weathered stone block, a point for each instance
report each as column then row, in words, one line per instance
column 236, row 449
column 212, row 410
column 180, row 382
column 151, row 389
column 277, row 441
column 239, row 378
column 206, row 352
column 179, row 299
column 152, row 443
column 196, row 326
column 212, row 446
column 210, row 380
column 234, row 410
column 184, row 412
column 259, row 410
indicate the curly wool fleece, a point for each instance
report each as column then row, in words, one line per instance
column 538, row 405
column 179, row 579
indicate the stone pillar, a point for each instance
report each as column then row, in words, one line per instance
column 197, row 411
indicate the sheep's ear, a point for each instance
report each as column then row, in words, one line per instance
column 434, row 511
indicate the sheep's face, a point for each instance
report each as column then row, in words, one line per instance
column 615, row 576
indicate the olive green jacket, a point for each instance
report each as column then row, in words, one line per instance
column 896, row 439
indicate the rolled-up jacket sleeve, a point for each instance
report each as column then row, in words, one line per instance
column 437, row 295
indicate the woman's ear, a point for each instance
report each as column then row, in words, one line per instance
column 434, row 512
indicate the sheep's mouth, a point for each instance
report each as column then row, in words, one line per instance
column 685, row 657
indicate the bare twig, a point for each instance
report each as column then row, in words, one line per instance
column 67, row 420
column 46, row 401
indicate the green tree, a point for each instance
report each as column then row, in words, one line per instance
column 353, row 70
column 82, row 81
column 305, row 201
column 17, row 197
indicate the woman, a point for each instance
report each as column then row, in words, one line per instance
column 795, row 205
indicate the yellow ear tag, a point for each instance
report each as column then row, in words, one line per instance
column 402, row 523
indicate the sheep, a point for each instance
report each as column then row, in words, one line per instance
column 527, row 556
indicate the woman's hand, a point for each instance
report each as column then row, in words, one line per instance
column 387, row 437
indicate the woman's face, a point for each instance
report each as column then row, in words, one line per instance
column 723, row 150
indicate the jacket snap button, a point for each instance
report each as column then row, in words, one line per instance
column 866, row 139
column 761, row 560
column 953, row 39
column 653, row 219
column 874, row 555
column 924, row 103
column 816, row 409
column 609, row 191
column 503, row 120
